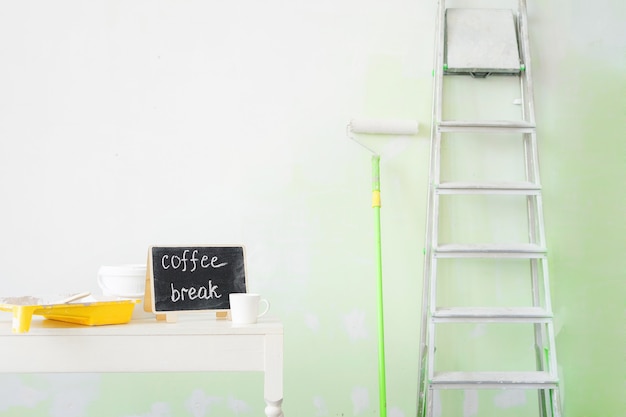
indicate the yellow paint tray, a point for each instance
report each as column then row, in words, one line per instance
column 88, row 312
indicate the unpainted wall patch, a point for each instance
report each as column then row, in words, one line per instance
column 159, row 409
column 354, row 323
column 199, row 404
column 360, row 400
column 312, row 322
column 16, row 393
column 321, row 409
column 73, row 393
column 395, row 412
column 510, row 399
column 437, row 408
column 238, row 406
column 470, row 403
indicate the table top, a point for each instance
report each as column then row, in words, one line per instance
column 186, row 324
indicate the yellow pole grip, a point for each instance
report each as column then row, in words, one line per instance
column 376, row 198
column 375, row 181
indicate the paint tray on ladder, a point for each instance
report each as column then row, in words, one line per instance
column 90, row 311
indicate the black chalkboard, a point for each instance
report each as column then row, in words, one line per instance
column 194, row 278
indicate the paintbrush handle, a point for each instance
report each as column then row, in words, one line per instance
column 74, row 297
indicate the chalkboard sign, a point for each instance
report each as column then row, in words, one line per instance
column 194, row 278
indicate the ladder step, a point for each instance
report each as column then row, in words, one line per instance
column 524, row 188
column 494, row 380
column 486, row 126
column 492, row 314
column 493, row 250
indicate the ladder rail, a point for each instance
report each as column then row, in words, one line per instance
column 525, row 56
column 529, row 115
column 549, row 403
column 424, row 399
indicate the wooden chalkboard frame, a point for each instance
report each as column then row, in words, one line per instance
column 193, row 278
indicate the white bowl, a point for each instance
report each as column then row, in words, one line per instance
column 125, row 282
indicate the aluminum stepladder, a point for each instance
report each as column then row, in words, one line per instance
column 465, row 47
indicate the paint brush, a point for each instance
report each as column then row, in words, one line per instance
column 74, row 297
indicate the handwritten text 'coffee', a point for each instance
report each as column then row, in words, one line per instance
column 176, row 262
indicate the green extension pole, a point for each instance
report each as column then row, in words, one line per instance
column 379, row 269
column 380, row 127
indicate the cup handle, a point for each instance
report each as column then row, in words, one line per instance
column 267, row 307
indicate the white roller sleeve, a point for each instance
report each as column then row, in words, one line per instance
column 384, row 127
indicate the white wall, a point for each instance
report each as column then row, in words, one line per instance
column 130, row 123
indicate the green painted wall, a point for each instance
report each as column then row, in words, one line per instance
column 582, row 114
column 256, row 97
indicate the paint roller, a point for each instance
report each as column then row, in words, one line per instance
column 384, row 127
column 380, row 127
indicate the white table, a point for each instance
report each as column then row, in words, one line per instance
column 196, row 343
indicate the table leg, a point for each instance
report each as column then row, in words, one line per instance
column 274, row 408
column 274, row 375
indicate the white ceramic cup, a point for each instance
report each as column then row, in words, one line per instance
column 244, row 307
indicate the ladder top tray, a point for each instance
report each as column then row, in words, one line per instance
column 481, row 41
